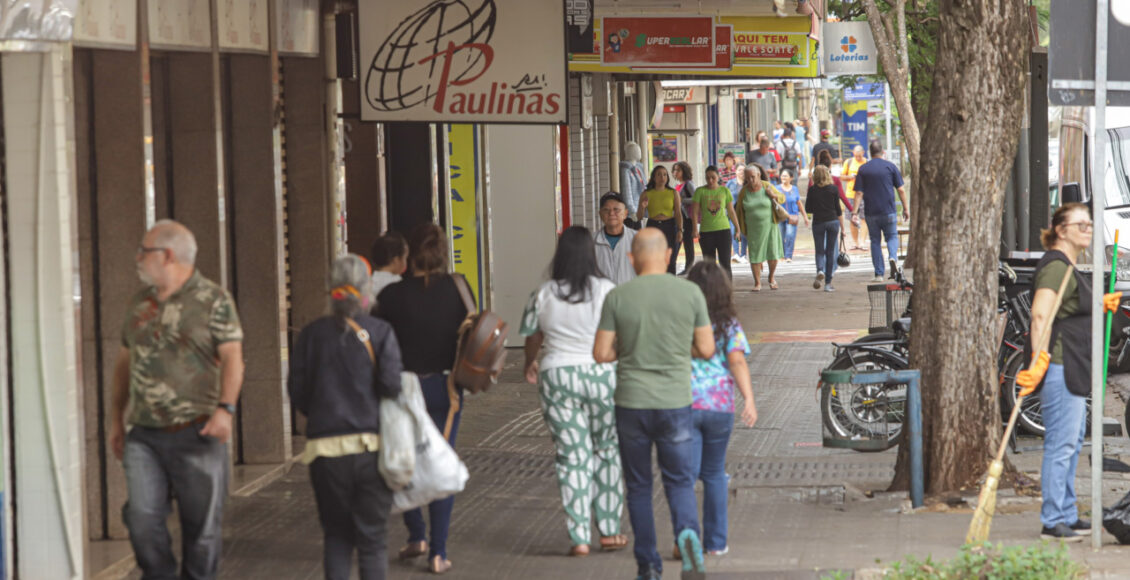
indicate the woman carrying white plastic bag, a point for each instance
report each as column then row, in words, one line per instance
column 341, row 367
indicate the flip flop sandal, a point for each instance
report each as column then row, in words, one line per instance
column 439, row 565
column 694, row 565
column 612, row 543
column 580, row 550
column 413, row 550
column 773, row 286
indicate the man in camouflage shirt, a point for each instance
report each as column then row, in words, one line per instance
column 179, row 370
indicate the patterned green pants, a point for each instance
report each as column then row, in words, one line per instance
column 578, row 408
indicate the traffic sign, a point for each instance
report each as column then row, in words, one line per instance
column 1071, row 56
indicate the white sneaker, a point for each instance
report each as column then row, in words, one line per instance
column 818, row 281
column 743, row 260
column 878, row 279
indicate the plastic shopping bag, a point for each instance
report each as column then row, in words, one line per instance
column 1116, row 520
column 398, row 438
column 438, row 472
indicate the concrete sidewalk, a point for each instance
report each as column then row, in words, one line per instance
column 795, row 507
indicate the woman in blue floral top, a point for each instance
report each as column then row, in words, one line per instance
column 713, row 383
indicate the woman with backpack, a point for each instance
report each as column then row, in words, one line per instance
column 713, row 382
column 560, row 321
column 341, row 366
column 426, row 311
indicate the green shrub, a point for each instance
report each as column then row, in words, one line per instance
column 988, row 562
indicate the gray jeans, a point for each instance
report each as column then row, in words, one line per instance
column 187, row 466
column 353, row 507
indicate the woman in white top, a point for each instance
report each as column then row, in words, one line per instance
column 576, row 392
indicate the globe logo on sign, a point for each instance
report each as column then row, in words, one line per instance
column 447, row 41
column 848, row 44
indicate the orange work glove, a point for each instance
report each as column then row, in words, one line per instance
column 1030, row 378
column 1111, row 301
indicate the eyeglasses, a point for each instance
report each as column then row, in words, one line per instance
column 1083, row 226
column 147, row 249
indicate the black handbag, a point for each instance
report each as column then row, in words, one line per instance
column 843, row 260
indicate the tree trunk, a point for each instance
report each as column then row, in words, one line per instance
column 974, row 130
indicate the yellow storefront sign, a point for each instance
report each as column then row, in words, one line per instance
column 463, row 168
column 762, row 47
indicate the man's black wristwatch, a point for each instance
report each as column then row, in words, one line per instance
column 230, row 408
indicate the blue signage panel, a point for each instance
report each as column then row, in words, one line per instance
column 864, row 92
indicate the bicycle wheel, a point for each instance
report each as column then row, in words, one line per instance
column 868, row 411
column 1031, row 418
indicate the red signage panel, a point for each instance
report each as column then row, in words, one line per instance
column 658, row 41
column 723, row 52
column 674, row 108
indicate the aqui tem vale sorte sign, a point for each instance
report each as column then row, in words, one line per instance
column 473, row 61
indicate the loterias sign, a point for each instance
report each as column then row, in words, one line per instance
column 472, row 61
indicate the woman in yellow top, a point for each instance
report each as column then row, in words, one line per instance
column 758, row 222
column 661, row 204
column 851, row 168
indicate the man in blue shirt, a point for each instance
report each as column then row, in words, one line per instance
column 877, row 180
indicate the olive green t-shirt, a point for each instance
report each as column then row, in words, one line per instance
column 712, row 204
column 1050, row 277
column 654, row 318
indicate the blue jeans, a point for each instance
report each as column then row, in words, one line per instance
column 711, row 436
column 670, row 431
column 1065, row 421
column 743, row 246
column 438, row 402
column 826, row 237
column 885, row 225
column 195, row 469
column 788, row 236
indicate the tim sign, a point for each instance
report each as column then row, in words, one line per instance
column 472, row 61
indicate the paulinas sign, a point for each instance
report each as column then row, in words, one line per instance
column 477, row 61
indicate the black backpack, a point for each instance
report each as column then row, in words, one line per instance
column 789, row 159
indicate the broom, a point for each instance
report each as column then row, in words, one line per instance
column 987, row 501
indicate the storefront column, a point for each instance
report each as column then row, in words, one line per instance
column 47, row 424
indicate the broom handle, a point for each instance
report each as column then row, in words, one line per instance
column 1046, row 335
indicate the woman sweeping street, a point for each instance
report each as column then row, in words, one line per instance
column 758, row 223
column 1066, row 371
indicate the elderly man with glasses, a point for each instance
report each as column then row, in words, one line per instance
column 614, row 241
column 179, row 372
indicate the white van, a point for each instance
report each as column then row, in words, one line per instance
column 1075, row 146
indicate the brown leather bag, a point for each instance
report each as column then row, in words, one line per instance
column 481, row 350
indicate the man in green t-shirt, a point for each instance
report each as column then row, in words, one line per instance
column 653, row 325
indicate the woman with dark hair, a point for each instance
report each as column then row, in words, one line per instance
column 576, row 392
column 684, row 180
column 389, row 259
column 426, row 312
column 341, row 366
column 713, row 211
column 713, row 382
column 660, row 202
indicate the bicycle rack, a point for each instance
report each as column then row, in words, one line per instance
column 878, row 409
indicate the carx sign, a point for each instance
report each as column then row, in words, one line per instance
column 850, row 49
column 473, row 61
column 658, row 41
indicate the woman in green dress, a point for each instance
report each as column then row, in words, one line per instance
column 759, row 224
